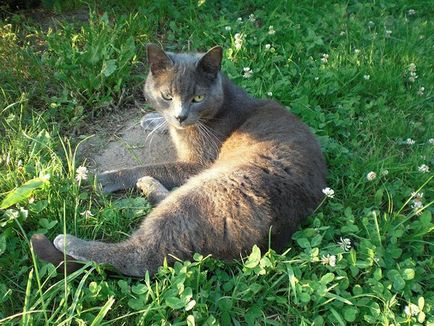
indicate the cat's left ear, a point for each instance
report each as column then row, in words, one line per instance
column 210, row 63
column 157, row 59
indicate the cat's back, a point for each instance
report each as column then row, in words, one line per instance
column 270, row 130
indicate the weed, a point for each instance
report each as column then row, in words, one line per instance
column 358, row 73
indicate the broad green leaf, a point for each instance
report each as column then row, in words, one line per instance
column 421, row 302
column 254, row 257
column 327, row 278
column 2, row 244
column 174, row 303
column 225, row 303
column 421, row 317
column 316, row 240
column 252, row 315
column 190, row 305
column 408, row 274
column 108, row 67
column 304, row 297
column 125, row 288
column 398, row 283
column 350, row 313
column 136, row 304
column 139, row 289
column 190, row 320
column 303, row 242
column 23, row 192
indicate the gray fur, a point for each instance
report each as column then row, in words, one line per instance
column 249, row 166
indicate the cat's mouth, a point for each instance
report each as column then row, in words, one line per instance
column 182, row 125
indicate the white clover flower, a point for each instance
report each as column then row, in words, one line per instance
column 356, row 51
column 384, row 173
column 412, row 67
column 423, row 168
column 271, row 30
column 342, row 33
column 87, row 213
column 238, row 40
column 371, row 24
column 247, row 72
column 371, row 176
column 270, row 94
column 345, row 244
column 81, row 173
column 239, row 19
column 325, row 58
column 329, row 260
column 409, row 141
column 31, row 200
column 411, row 12
column 267, row 46
column 413, row 77
column 388, row 33
column 417, row 195
column 252, row 18
column 421, row 91
column 366, row 77
column 44, row 177
column 411, row 310
column 316, row 78
column 431, row 141
column 228, row 28
column 416, row 204
column 329, row 192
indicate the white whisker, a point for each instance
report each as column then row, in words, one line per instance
column 154, row 130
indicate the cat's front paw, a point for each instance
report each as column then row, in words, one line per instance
column 152, row 188
column 108, row 181
column 71, row 245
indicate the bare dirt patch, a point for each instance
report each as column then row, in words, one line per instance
column 119, row 141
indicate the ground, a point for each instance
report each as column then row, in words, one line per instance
column 359, row 73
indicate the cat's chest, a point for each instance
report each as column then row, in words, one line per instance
column 196, row 147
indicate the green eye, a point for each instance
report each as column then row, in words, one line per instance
column 166, row 96
column 198, row 98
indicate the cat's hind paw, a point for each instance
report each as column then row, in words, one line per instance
column 71, row 245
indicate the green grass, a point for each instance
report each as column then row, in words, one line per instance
column 55, row 80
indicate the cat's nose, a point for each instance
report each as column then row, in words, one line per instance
column 181, row 117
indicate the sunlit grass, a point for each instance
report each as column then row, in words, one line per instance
column 359, row 74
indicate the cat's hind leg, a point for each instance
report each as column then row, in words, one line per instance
column 124, row 256
column 152, row 189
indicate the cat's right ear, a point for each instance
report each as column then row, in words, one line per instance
column 157, row 59
column 210, row 63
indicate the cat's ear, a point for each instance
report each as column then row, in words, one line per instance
column 211, row 61
column 157, row 59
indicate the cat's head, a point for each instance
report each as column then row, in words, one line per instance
column 184, row 88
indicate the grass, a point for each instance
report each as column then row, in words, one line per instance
column 336, row 65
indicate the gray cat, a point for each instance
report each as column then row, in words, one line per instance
column 244, row 166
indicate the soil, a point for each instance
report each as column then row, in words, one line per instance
column 119, row 141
